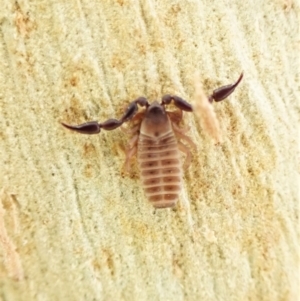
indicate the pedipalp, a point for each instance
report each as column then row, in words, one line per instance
column 93, row 127
column 223, row 92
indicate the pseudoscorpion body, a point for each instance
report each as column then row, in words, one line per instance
column 157, row 141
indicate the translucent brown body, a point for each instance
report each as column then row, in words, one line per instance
column 159, row 163
column 158, row 154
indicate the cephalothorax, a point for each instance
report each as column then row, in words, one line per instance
column 157, row 140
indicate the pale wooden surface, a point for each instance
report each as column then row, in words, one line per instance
column 73, row 228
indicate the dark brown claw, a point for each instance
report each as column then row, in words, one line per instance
column 89, row 128
column 223, row 92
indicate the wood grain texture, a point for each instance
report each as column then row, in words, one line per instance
column 73, row 227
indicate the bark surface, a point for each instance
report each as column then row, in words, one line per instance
column 73, row 226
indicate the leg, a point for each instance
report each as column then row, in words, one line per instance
column 180, row 133
column 138, row 117
column 131, row 131
column 175, row 116
column 132, row 145
column 130, row 152
column 188, row 154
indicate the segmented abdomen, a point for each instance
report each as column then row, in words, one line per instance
column 160, row 168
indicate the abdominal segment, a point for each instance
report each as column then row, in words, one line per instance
column 160, row 169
